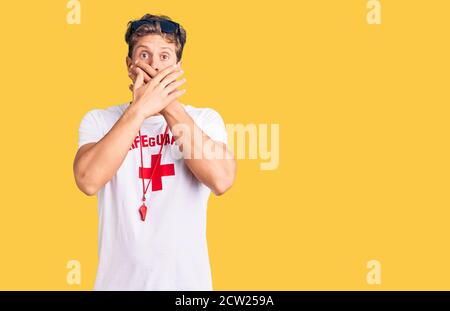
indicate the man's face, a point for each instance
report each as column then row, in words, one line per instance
column 154, row 51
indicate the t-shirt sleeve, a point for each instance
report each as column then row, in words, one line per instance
column 213, row 126
column 91, row 129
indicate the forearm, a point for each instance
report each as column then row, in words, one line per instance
column 216, row 172
column 100, row 163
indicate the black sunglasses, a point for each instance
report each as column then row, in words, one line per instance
column 165, row 25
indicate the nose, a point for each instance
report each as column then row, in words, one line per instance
column 155, row 63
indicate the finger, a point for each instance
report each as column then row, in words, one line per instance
column 175, row 95
column 132, row 73
column 147, row 78
column 166, row 71
column 170, row 78
column 147, row 69
column 139, row 80
column 132, row 76
column 172, row 86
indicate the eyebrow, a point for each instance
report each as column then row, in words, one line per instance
column 144, row 46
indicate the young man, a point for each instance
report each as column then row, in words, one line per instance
column 147, row 163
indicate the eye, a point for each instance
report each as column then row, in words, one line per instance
column 165, row 57
column 144, row 55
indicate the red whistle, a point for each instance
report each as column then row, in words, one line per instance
column 143, row 211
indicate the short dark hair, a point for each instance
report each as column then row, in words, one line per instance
column 179, row 38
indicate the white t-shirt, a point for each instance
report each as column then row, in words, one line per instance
column 167, row 251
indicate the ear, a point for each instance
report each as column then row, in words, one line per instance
column 128, row 61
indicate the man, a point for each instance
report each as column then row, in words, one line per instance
column 148, row 165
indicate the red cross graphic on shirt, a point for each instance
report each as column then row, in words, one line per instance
column 161, row 171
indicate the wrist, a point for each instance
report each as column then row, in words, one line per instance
column 134, row 111
column 171, row 109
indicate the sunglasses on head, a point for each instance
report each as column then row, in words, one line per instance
column 166, row 26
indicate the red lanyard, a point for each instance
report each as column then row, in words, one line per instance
column 143, row 208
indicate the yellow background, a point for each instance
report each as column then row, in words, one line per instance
column 363, row 113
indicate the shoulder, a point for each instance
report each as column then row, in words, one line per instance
column 210, row 121
column 203, row 114
column 105, row 114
